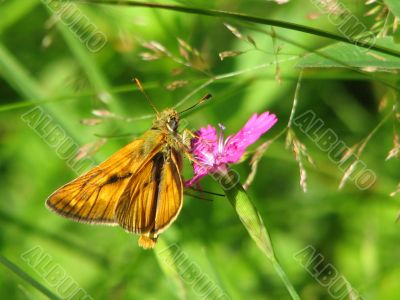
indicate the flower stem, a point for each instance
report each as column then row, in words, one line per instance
column 252, row 221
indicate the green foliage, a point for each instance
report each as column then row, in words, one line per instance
column 181, row 52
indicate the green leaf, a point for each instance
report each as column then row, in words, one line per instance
column 394, row 7
column 343, row 55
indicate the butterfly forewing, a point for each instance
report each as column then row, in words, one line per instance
column 92, row 197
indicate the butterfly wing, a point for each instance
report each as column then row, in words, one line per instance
column 92, row 197
column 170, row 195
column 153, row 197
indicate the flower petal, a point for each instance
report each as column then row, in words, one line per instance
column 204, row 149
column 212, row 154
column 193, row 180
column 206, row 143
column 256, row 126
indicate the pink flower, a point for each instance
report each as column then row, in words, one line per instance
column 212, row 153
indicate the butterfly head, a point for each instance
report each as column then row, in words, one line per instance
column 167, row 119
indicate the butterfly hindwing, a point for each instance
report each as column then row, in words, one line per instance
column 153, row 198
column 170, row 193
column 135, row 210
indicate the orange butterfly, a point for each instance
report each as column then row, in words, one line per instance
column 140, row 187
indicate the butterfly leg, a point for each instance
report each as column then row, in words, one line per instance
column 147, row 240
column 187, row 136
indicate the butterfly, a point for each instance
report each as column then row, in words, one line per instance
column 139, row 188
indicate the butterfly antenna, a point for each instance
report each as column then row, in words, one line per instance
column 201, row 101
column 206, row 192
column 145, row 94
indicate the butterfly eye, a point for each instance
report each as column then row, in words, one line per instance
column 173, row 124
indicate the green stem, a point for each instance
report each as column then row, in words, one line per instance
column 252, row 221
column 248, row 18
column 281, row 273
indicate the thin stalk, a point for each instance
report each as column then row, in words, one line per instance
column 252, row 221
column 248, row 18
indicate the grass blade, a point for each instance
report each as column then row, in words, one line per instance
column 252, row 221
column 23, row 275
column 165, row 259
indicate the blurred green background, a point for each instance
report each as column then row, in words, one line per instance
column 50, row 65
